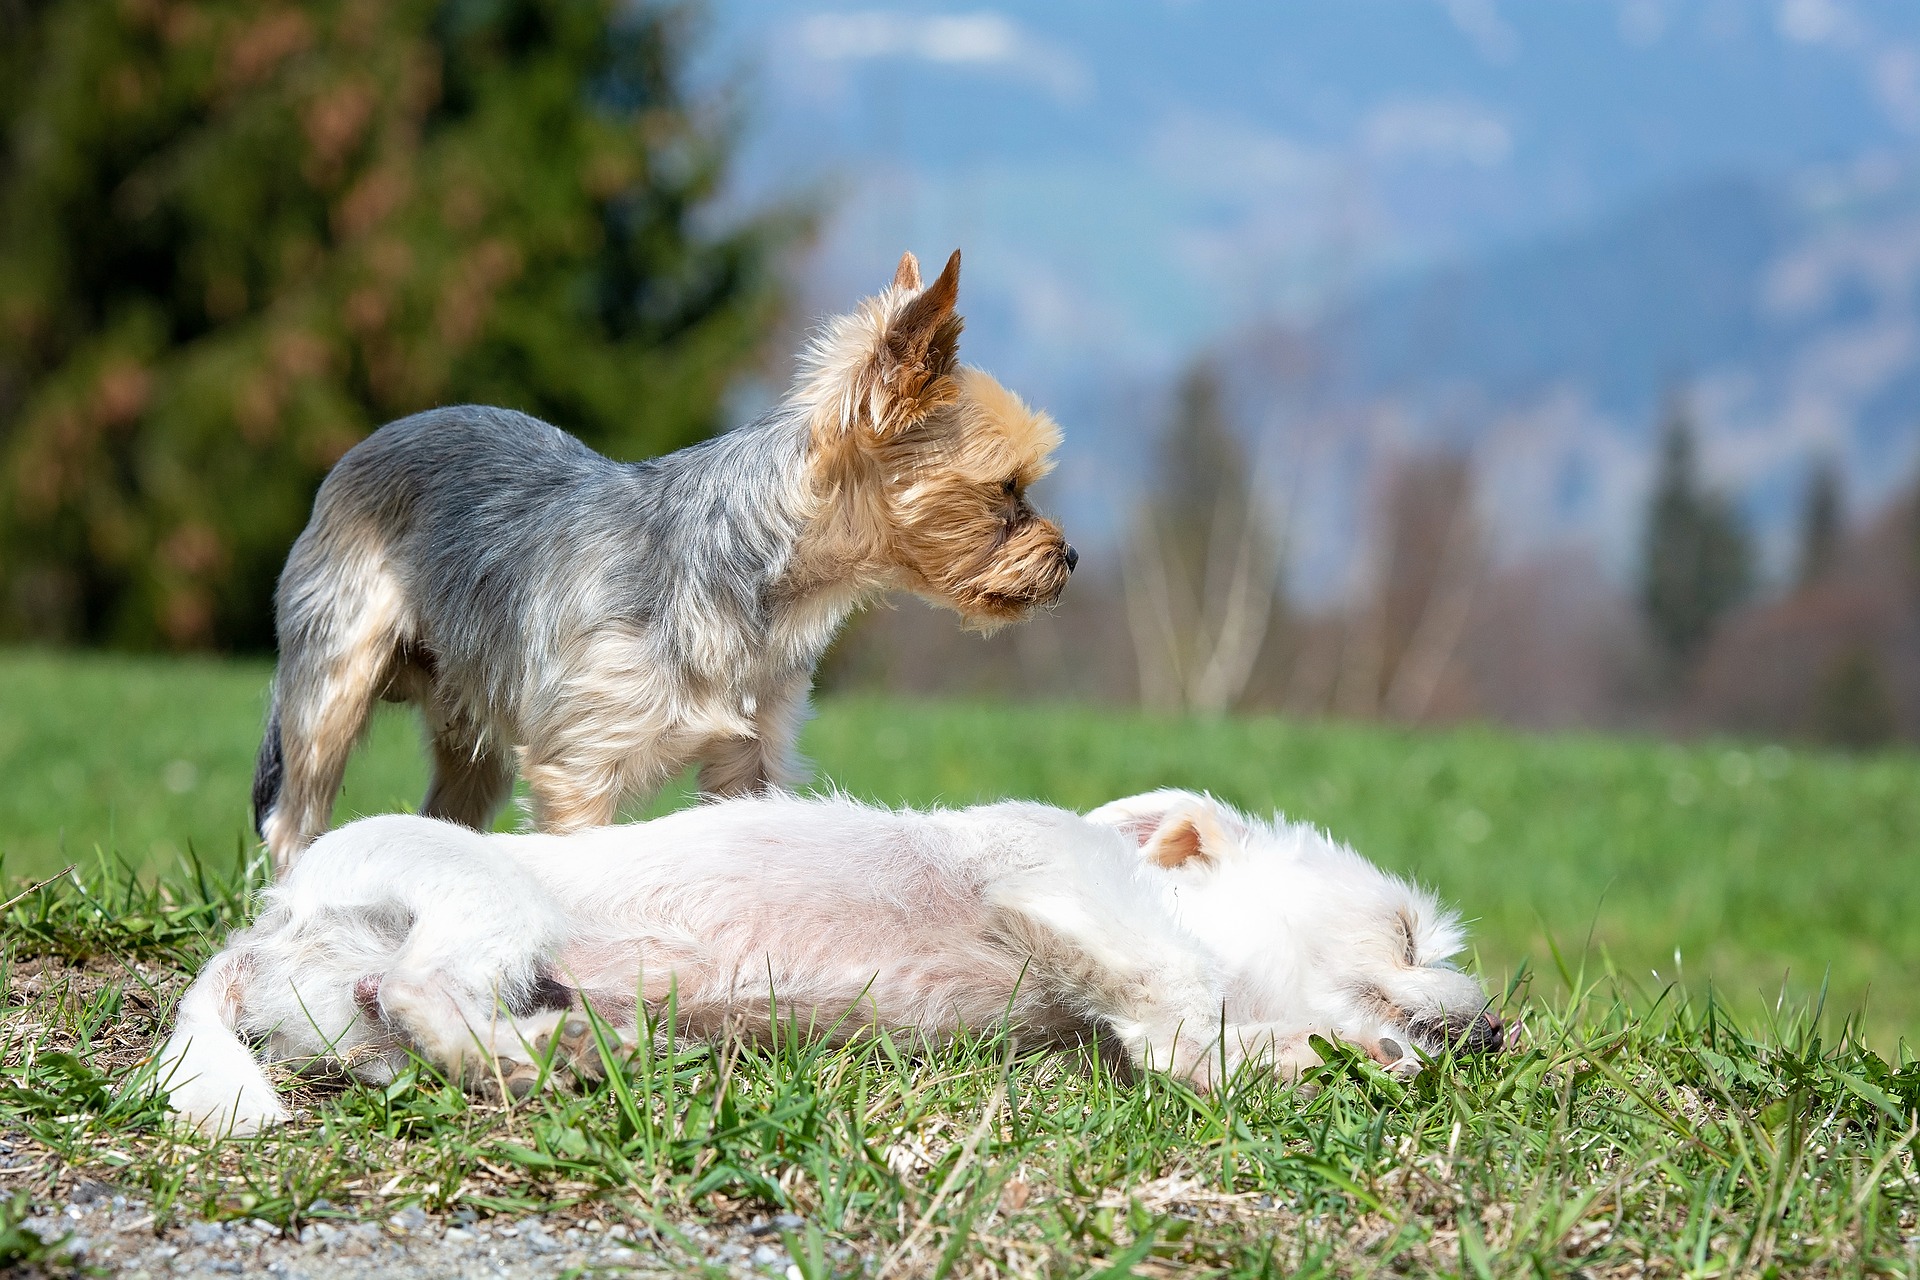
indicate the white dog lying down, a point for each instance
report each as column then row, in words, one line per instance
column 1155, row 923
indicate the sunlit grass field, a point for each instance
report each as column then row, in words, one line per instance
column 1659, row 922
column 1754, row 868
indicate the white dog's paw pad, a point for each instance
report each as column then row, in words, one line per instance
column 511, row 1080
column 574, row 1048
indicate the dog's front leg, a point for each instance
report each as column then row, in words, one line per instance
column 747, row 766
column 577, row 779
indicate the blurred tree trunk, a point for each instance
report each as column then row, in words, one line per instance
column 1424, row 561
column 1202, row 563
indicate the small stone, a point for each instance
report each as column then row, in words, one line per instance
column 758, row 1227
column 457, row 1235
column 321, row 1205
column 206, row 1232
column 411, row 1218
column 788, row 1222
column 88, row 1190
column 768, row 1256
column 537, row 1238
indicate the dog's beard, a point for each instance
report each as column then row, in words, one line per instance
column 1027, row 571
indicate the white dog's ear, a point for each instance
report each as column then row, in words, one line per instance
column 1192, row 838
column 1173, row 828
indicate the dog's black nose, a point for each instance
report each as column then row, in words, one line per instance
column 1073, row 557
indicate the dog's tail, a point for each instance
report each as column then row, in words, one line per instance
column 207, row 1072
column 269, row 771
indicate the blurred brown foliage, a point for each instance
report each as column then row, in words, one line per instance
column 236, row 237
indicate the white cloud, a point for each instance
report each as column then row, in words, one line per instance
column 1480, row 22
column 1895, row 74
column 1438, row 131
column 1817, row 22
column 983, row 39
column 1890, row 68
column 1224, row 156
column 1643, row 22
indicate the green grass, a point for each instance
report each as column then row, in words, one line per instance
column 1647, row 1126
column 1755, row 870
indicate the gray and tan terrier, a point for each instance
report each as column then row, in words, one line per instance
column 605, row 624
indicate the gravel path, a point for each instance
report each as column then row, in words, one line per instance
column 117, row 1233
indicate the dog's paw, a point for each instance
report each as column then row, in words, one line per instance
column 1396, row 1059
column 572, row 1048
column 510, row 1081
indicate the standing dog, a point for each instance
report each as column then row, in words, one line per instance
column 1191, row 936
column 613, row 623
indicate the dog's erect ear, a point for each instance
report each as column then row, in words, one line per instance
column 1172, row 828
column 907, row 274
column 918, row 352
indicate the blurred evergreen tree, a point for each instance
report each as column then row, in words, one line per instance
column 1697, row 561
column 236, row 237
column 1913, row 542
column 1854, row 707
column 1821, row 517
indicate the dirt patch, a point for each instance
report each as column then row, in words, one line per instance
column 99, row 1227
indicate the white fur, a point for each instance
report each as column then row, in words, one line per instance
column 850, row 916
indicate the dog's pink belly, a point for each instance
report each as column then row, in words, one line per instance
column 935, row 982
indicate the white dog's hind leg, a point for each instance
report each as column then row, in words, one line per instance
column 560, row 1044
column 209, row 1074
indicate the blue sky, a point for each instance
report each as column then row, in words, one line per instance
column 1134, row 181
column 1141, row 176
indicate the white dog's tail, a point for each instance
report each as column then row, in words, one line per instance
column 206, row 1070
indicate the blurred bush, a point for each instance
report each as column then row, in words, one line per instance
column 236, row 237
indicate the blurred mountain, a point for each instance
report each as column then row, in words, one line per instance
column 1788, row 311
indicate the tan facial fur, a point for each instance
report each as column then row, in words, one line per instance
column 923, row 464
